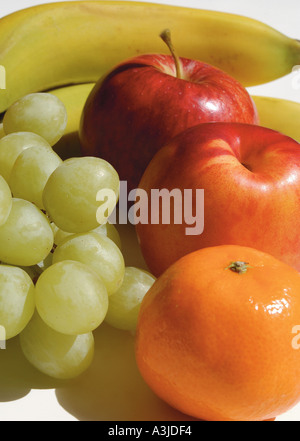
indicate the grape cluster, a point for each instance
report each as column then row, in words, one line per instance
column 61, row 273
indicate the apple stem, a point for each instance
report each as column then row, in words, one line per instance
column 166, row 37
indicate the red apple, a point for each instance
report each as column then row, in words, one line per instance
column 251, row 181
column 147, row 100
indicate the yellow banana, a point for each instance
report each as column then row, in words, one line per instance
column 63, row 43
column 74, row 98
column 279, row 114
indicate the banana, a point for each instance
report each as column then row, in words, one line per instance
column 74, row 98
column 56, row 44
column 279, row 114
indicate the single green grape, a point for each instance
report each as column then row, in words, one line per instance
column 96, row 251
column 5, row 201
column 71, row 298
column 30, row 173
column 70, row 195
column 26, row 238
column 40, row 113
column 12, row 145
column 124, row 305
column 57, row 355
column 17, row 303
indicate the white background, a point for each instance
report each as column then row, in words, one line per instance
column 112, row 390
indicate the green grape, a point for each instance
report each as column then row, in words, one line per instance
column 12, row 145
column 70, row 195
column 5, row 201
column 30, row 173
column 40, row 113
column 16, row 299
column 96, row 251
column 57, row 355
column 26, row 238
column 71, row 298
column 124, row 305
column 111, row 232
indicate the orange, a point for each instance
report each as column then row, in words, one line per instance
column 215, row 335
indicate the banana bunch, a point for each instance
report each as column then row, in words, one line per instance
column 58, row 44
